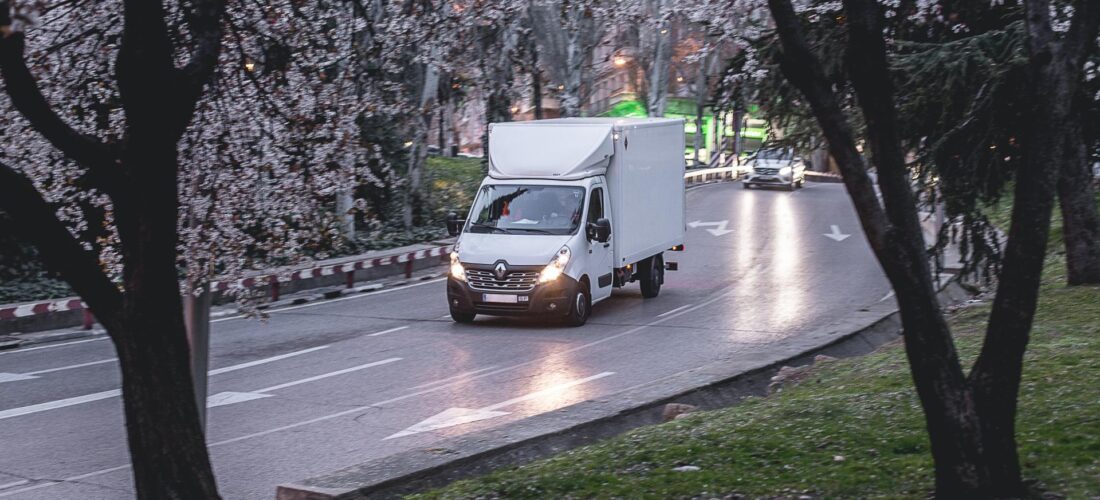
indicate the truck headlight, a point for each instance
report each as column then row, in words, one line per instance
column 556, row 266
column 457, row 271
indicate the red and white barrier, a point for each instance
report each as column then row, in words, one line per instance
column 24, row 310
column 273, row 280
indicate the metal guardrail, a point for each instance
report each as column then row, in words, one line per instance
column 711, row 174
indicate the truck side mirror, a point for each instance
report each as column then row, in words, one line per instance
column 454, row 224
column 600, row 230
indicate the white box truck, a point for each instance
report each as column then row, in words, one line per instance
column 571, row 209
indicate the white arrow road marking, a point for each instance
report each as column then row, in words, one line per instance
column 88, row 398
column 456, row 416
column 719, row 227
column 836, row 235
column 228, row 398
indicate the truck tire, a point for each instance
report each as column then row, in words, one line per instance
column 462, row 317
column 653, row 274
column 581, row 308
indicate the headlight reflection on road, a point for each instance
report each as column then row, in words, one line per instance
column 551, row 384
column 746, row 232
column 786, row 265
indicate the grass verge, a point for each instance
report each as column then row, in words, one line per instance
column 853, row 428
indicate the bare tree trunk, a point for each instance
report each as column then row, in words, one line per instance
column 344, row 206
column 1080, row 221
column 701, row 89
column 566, row 36
column 427, row 86
column 657, row 81
column 536, row 79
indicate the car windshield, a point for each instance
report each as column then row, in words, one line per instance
column 774, row 154
column 527, row 209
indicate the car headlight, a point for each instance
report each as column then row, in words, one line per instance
column 556, row 266
column 785, row 171
column 457, row 271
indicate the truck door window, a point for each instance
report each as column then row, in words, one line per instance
column 595, row 205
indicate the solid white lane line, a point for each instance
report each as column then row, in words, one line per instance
column 391, row 330
column 88, row 398
column 448, row 379
column 327, row 375
column 685, row 306
column 11, row 485
column 338, row 299
column 51, row 346
column 547, row 391
column 250, row 364
column 81, row 365
column 60, row 403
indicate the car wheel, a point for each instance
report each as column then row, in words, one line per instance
column 581, row 308
column 746, row 185
column 652, row 276
column 801, row 182
column 462, row 317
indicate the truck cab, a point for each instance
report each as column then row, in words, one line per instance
column 556, row 225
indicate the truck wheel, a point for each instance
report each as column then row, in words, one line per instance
column 581, row 308
column 653, row 274
column 462, row 317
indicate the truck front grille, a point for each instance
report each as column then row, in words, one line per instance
column 514, row 281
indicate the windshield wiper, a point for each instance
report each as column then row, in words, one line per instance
column 486, row 226
column 532, row 229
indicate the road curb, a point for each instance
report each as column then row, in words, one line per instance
column 719, row 384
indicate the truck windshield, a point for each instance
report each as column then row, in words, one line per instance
column 521, row 209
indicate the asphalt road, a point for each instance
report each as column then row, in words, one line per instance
column 330, row 384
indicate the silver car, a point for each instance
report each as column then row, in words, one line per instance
column 775, row 167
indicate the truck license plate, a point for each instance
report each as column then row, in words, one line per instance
column 500, row 298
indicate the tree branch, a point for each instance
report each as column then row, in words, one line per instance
column 35, row 221
column 27, row 98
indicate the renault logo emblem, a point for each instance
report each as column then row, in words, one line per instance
column 500, row 270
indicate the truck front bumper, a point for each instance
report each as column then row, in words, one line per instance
column 545, row 299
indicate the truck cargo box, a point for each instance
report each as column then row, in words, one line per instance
column 642, row 159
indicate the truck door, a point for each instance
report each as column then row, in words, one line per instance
column 599, row 254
